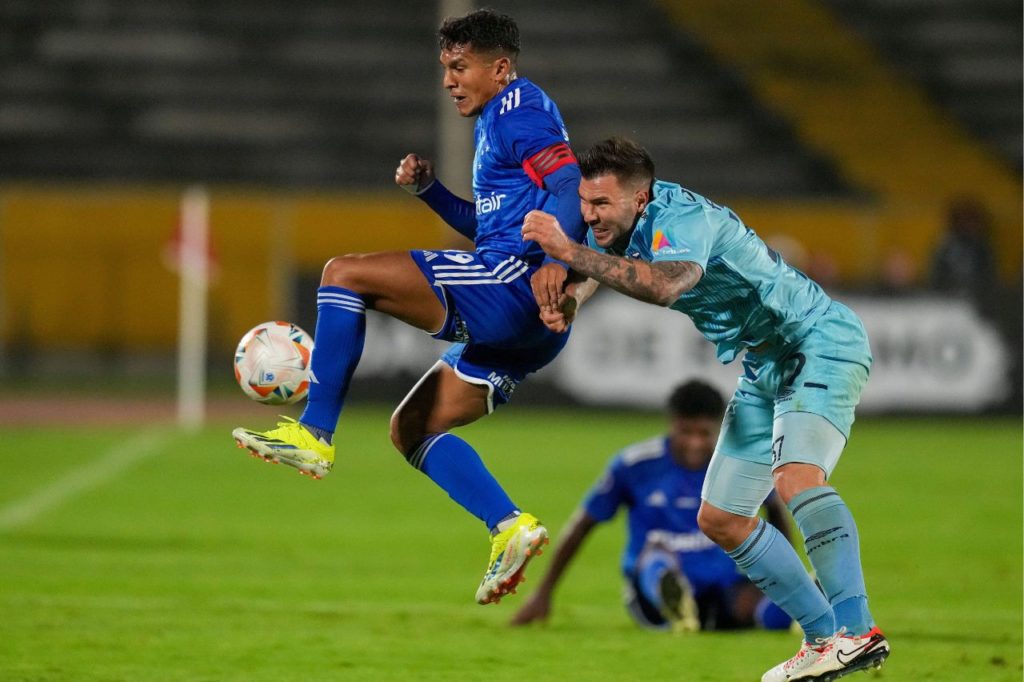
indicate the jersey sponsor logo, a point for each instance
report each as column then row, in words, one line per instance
column 502, row 382
column 489, row 204
column 509, row 101
column 656, row 499
column 660, row 241
column 661, row 244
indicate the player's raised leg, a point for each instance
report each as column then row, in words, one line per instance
column 391, row 283
column 420, row 429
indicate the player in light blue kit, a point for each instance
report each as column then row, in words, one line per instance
column 807, row 360
column 676, row 577
column 481, row 300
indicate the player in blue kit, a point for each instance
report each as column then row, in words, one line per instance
column 807, row 360
column 481, row 300
column 675, row 576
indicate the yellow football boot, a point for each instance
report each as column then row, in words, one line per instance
column 290, row 443
column 511, row 551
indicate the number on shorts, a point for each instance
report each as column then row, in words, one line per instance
column 801, row 360
column 459, row 257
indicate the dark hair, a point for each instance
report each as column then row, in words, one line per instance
column 483, row 30
column 696, row 398
column 620, row 156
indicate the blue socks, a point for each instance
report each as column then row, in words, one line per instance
column 454, row 465
column 338, row 345
column 771, row 563
column 833, row 548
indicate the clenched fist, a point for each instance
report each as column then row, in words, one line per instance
column 544, row 229
column 414, row 174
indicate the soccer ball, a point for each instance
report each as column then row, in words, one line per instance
column 272, row 363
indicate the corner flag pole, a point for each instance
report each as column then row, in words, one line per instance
column 194, row 268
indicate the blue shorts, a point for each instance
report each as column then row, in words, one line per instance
column 492, row 317
column 792, row 404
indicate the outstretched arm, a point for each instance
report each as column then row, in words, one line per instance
column 658, row 283
column 416, row 175
column 538, row 606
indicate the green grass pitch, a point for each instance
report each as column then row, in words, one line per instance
column 195, row 562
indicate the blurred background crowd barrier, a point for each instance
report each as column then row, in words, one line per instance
column 876, row 143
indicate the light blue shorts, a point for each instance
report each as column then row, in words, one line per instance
column 793, row 404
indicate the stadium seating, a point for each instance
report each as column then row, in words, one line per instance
column 967, row 53
column 319, row 93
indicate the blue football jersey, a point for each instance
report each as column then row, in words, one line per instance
column 511, row 129
column 663, row 499
column 748, row 294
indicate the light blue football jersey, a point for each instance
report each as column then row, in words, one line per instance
column 521, row 121
column 748, row 294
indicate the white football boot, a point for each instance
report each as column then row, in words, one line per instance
column 847, row 654
column 796, row 667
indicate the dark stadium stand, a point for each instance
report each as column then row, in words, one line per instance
column 316, row 93
column 967, row 54
column 626, row 71
column 326, row 94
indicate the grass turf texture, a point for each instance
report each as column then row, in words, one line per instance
column 199, row 563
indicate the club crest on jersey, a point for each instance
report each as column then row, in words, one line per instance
column 486, row 205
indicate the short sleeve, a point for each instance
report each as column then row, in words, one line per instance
column 682, row 234
column 608, row 494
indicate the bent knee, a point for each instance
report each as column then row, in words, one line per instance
column 723, row 528
column 410, row 426
column 343, row 271
column 406, row 431
column 792, row 479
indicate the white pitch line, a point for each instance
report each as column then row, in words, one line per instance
column 92, row 475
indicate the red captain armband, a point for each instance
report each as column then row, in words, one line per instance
column 547, row 161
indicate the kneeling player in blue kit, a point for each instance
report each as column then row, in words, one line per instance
column 676, row 578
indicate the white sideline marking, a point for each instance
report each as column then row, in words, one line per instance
column 92, row 475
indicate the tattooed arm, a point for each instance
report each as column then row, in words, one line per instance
column 658, row 283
